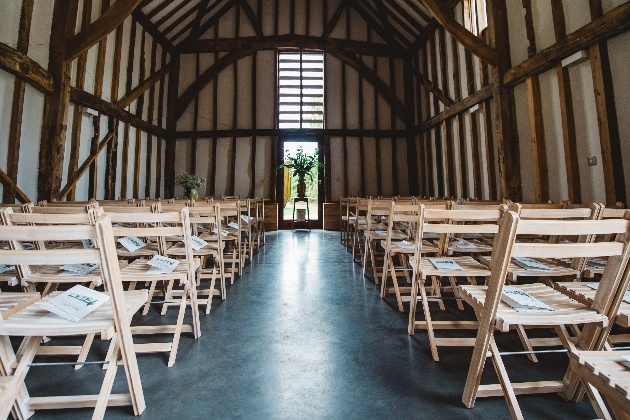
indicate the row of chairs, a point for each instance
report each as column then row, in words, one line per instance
column 233, row 232
column 486, row 245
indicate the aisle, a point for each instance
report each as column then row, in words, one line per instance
column 303, row 335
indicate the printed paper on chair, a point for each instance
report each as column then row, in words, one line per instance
column 531, row 264
column 131, row 243
column 445, row 264
column 161, row 265
column 522, row 301
column 76, row 303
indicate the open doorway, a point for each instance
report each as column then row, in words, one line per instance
column 294, row 211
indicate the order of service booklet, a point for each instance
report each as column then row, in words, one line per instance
column 75, row 303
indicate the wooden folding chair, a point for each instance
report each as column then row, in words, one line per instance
column 159, row 226
column 231, row 222
column 111, row 320
column 608, row 373
column 477, row 222
column 375, row 231
column 402, row 222
column 561, row 310
column 204, row 221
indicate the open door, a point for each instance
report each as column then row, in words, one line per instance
column 300, row 213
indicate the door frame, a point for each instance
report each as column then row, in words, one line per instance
column 321, row 144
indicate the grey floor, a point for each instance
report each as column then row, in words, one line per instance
column 303, row 335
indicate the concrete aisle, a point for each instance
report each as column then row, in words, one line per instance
column 303, row 335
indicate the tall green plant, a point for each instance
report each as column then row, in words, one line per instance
column 302, row 165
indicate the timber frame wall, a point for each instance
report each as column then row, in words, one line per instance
column 398, row 117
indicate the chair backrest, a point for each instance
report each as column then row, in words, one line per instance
column 377, row 212
column 403, row 216
column 614, row 280
column 83, row 208
column 9, row 218
column 449, row 222
column 158, row 226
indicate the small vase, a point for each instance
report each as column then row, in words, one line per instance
column 191, row 193
column 301, row 187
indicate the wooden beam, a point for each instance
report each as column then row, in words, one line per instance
column 88, row 100
column 152, row 30
column 537, row 136
column 330, row 26
column 375, row 25
column 375, row 80
column 566, row 111
column 463, row 35
column 458, row 107
column 25, row 68
column 100, row 28
column 252, row 17
column 76, row 176
column 193, row 90
column 8, row 183
column 504, row 109
column 273, row 42
column 412, row 154
column 194, row 35
column 56, row 105
column 17, row 108
column 272, row 132
column 433, row 89
column 612, row 23
column 171, row 126
column 609, row 137
column 144, row 86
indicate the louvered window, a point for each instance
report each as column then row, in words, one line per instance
column 300, row 90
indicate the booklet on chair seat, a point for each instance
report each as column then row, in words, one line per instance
column 75, row 303
column 531, row 264
column 522, row 301
column 445, row 264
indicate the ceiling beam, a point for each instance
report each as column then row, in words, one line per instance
column 252, row 17
column 79, row 43
column 288, row 41
column 144, row 86
column 25, row 68
column 464, row 36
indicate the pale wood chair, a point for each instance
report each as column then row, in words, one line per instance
column 493, row 314
column 205, row 220
column 231, row 223
column 605, row 373
column 594, row 267
column 375, row 231
column 111, row 320
column 402, row 222
column 160, row 226
column 477, row 222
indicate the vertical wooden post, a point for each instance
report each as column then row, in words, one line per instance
column 504, row 112
column 171, row 125
column 53, row 139
column 607, row 116
column 17, row 110
column 412, row 154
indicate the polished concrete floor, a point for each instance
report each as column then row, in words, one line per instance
column 303, row 335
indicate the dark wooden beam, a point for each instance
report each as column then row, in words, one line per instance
column 8, row 183
column 144, row 86
column 612, row 23
column 330, row 26
column 88, row 100
column 252, row 17
column 25, row 68
column 274, row 42
column 375, row 25
column 152, row 30
column 463, row 35
column 375, row 80
column 56, row 105
column 171, row 126
column 459, row 106
column 271, row 132
column 100, row 28
column 194, row 35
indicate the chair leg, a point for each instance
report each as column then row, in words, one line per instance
column 85, row 349
column 506, row 385
column 522, row 335
column 387, row 262
column 108, row 382
column 427, row 318
column 178, row 328
column 453, row 281
column 413, row 304
column 168, row 295
column 150, row 298
column 396, row 288
column 598, row 403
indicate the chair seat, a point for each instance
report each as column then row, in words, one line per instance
column 178, row 250
column 480, row 247
column 149, row 250
column 137, row 271
column 48, row 273
column 557, row 268
column 585, row 294
column 29, row 322
column 566, row 311
column 607, row 371
column 470, row 267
